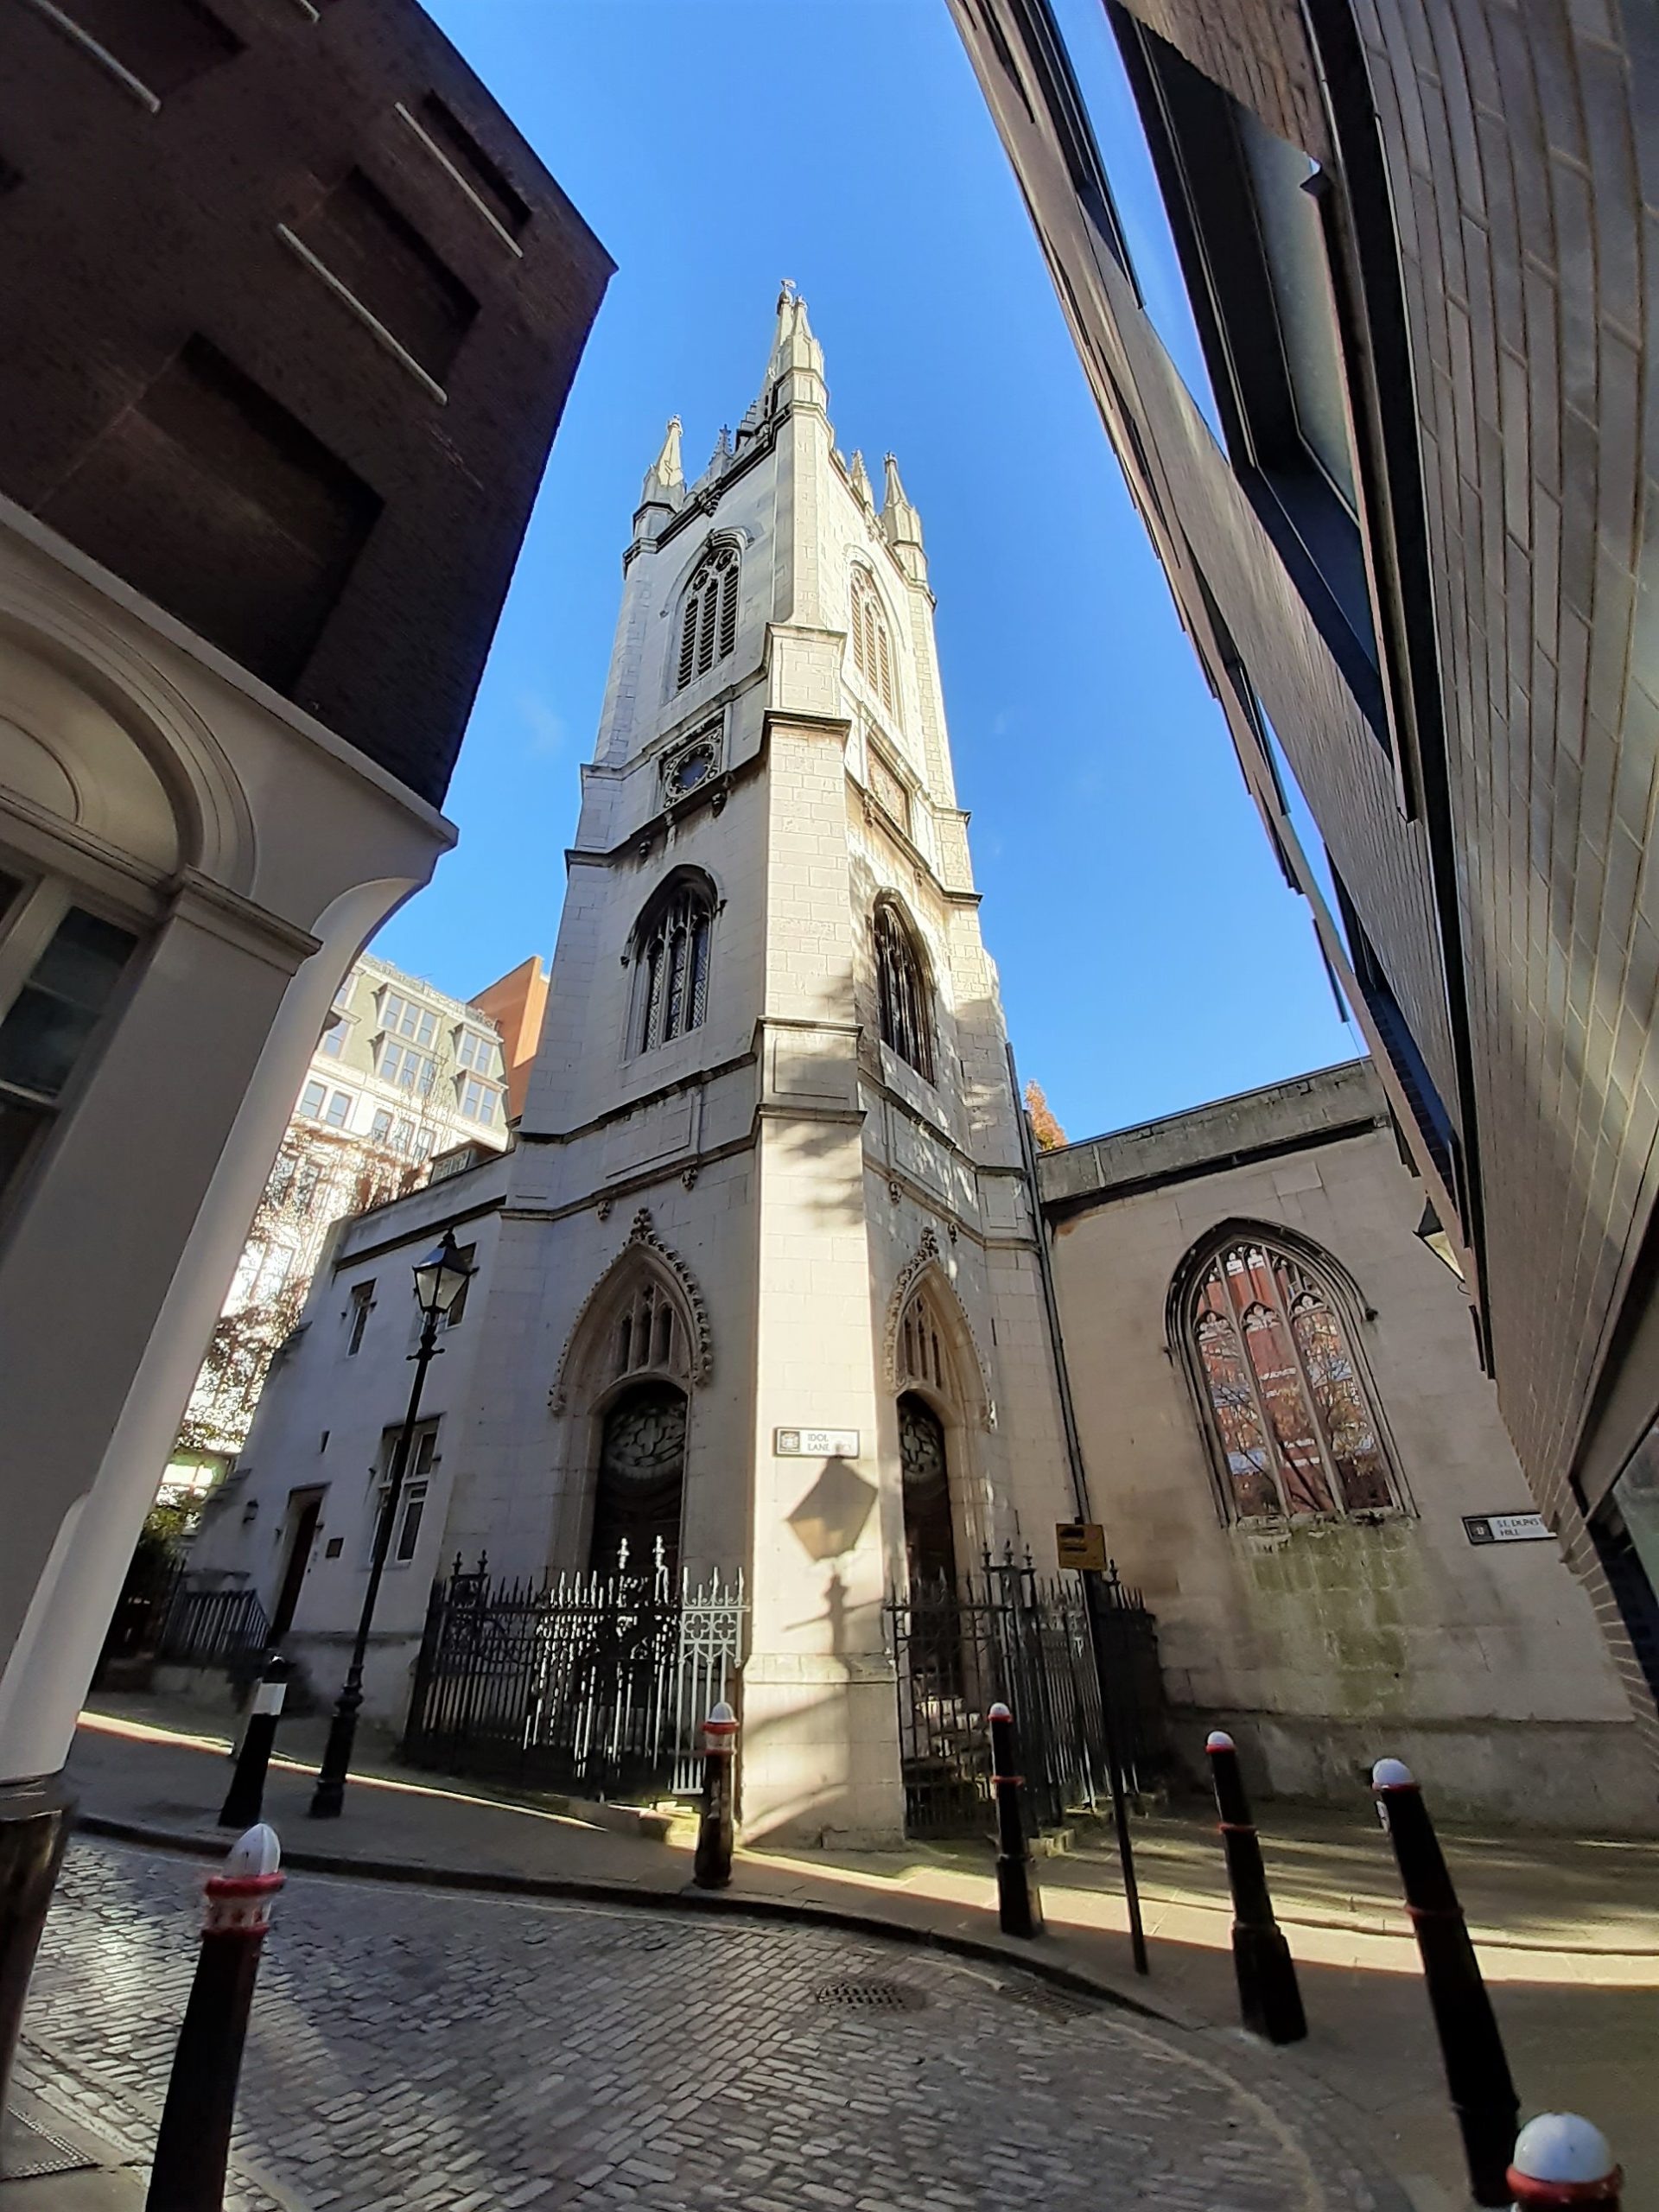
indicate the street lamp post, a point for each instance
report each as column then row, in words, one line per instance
column 438, row 1280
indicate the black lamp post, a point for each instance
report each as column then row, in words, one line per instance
column 439, row 1280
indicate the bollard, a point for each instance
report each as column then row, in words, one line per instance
column 1019, row 1904
column 1561, row 2160
column 245, row 1799
column 711, row 1869
column 1268, row 1999
column 192, row 2148
column 1477, row 2070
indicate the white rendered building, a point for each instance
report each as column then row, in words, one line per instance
column 768, row 1176
column 404, row 1076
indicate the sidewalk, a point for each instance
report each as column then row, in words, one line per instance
column 1567, row 1930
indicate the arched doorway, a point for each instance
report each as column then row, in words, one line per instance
column 641, row 1479
column 930, row 1532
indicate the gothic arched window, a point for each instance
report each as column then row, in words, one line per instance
column 872, row 655
column 901, row 987
column 1286, row 1408
column 709, row 624
column 671, row 951
column 639, row 1483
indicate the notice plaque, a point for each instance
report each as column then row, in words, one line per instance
column 1081, row 1543
column 1505, row 1528
column 816, row 1443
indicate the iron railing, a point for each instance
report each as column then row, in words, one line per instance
column 213, row 1628
column 599, row 1683
column 1009, row 1633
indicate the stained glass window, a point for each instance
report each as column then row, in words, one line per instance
column 1293, row 1425
column 672, row 946
column 902, row 987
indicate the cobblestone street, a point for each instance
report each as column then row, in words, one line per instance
column 411, row 2048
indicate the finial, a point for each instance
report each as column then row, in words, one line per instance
column 863, row 491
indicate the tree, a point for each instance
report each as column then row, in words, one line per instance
column 1048, row 1132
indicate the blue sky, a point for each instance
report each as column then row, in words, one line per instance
column 717, row 146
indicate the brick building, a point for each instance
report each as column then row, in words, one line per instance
column 291, row 314
column 1372, row 352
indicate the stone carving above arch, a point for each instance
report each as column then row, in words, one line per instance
column 642, row 1238
column 928, row 1261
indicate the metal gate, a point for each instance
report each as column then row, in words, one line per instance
column 1009, row 1633
column 599, row 1683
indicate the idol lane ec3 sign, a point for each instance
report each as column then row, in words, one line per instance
column 816, row 1443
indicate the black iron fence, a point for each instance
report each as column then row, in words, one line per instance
column 212, row 1628
column 599, row 1683
column 1009, row 1633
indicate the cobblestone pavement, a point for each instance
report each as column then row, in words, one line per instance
column 448, row 2053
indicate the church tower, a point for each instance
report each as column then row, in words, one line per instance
column 766, row 1289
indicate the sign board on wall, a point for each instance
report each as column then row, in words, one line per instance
column 816, row 1443
column 1081, row 1543
column 1505, row 1528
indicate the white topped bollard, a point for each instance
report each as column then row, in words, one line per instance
column 1562, row 2160
column 192, row 2146
column 711, row 1868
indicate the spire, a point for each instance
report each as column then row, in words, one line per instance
column 863, row 491
column 663, row 493
column 901, row 525
column 797, row 360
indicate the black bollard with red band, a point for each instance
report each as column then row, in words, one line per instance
column 711, row 1869
column 245, row 1800
column 1477, row 2069
column 193, row 2148
column 1020, row 1906
column 1562, row 2162
column 1268, row 1999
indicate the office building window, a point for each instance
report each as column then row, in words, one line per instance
column 476, row 1052
column 402, row 1017
column 380, row 1127
column 311, row 1100
column 48, row 1027
column 333, row 1039
column 408, row 1069
column 478, row 1101
column 339, row 1110
column 1254, row 222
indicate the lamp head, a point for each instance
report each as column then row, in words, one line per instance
column 439, row 1278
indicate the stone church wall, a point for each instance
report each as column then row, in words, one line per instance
column 1326, row 1644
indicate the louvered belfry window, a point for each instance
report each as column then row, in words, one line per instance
column 872, row 655
column 709, row 627
column 901, row 985
column 673, row 954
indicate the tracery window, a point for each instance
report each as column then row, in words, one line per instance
column 921, row 1356
column 671, row 949
column 648, row 1333
column 1294, row 1427
column 709, row 625
column 872, row 655
column 901, row 984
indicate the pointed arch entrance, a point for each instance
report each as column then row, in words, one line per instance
column 640, row 1482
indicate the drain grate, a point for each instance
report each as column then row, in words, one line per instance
column 872, row 1996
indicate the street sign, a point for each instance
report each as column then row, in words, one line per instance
column 816, row 1443
column 1506, row 1528
column 1081, row 1543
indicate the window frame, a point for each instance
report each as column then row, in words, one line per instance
column 1327, row 547
column 414, row 1495
column 710, row 607
column 649, row 1030
column 891, row 921
column 1280, row 1246
column 360, row 1305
